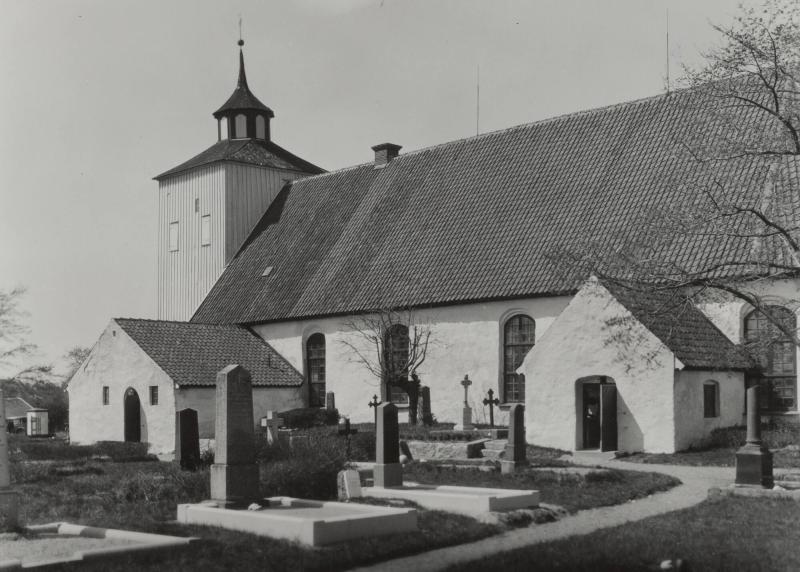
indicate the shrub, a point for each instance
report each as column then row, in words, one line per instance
column 307, row 417
column 59, row 450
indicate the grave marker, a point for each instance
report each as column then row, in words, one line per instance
column 271, row 423
column 491, row 401
column 348, row 484
column 387, row 472
column 425, row 414
column 187, row 437
column 9, row 499
column 330, row 401
column 466, row 419
column 234, row 474
column 753, row 459
column 515, row 452
column 374, row 404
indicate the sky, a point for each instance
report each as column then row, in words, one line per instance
column 98, row 97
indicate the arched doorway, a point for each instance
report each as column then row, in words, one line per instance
column 133, row 416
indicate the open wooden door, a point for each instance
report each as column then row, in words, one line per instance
column 608, row 417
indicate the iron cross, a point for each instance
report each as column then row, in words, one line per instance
column 491, row 401
column 466, row 382
column 374, row 404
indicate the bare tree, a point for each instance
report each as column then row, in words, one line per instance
column 392, row 346
column 13, row 332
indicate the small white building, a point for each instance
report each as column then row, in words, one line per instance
column 22, row 417
column 140, row 373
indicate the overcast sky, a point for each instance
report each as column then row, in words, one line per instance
column 98, row 97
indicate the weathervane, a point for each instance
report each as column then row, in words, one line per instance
column 241, row 41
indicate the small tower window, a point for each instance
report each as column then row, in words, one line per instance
column 241, row 126
column 173, row 236
column 205, row 230
column 261, row 127
column 223, row 128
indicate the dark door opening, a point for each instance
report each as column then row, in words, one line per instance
column 591, row 415
column 608, row 417
column 133, row 419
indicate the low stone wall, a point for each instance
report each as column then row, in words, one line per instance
column 446, row 449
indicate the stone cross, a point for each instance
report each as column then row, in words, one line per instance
column 387, row 471
column 491, row 401
column 374, row 404
column 516, row 448
column 234, row 474
column 466, row 382
column 271, row 422
column 9, row 499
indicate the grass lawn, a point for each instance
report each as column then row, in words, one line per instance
column 728, row 533
column 720, row 449
column 573, row 492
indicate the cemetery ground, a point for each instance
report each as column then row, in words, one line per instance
column 782, row 438
column 117, row 485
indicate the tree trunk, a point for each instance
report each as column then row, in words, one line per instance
column 413, row 403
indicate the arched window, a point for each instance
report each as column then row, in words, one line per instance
column 315, row 367
column 395, row 358
column 222, row 127
column 710, row 398
column 261, row 127
column 519, row 335
column 775, row 351
column 241, row 126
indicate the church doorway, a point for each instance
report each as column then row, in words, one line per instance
column 133, row 416
column 598, row 410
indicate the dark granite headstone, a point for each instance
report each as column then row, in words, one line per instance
column 424, row 413
column 234, row 474
column 187, row 439
column 330, row 401
column 388, row 471
column 515, row 452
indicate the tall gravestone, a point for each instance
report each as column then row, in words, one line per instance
column 424, row 413
column 466, row 416
column 9, row 499
column 753, row 459
column 187, row 439
column 387, row 472
column 234, row 474
column 330, row 401
column 516, row 448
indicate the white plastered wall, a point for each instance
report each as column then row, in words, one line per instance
column 203, row 400
column 597, row 336
column 465, row 339
column 691, row 427
column 118, row 362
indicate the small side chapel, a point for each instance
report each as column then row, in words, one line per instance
column 269, row 248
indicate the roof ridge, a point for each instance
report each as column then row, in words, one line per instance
column 184, row 322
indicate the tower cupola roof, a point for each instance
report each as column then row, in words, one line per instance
column 242, row 98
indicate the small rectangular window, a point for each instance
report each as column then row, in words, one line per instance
column 153, row 395
column 105, row 395
column 197, row 205
column 710, row 399
column 173, row 236
column 205, row 230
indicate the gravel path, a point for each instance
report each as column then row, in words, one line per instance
column 696, row 482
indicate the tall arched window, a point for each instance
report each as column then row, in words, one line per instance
column 395, row 358
column 223, row 128
column 261, row 127
column 775, row 351
column 241, row 126
column 519, row 335
column 315, row 367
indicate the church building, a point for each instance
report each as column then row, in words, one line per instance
column 465, row 236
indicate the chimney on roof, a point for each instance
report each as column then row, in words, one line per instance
column 384, row 153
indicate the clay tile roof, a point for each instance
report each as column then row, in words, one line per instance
column 192, row 354
column 17, row 407
column 249, row 151
column 471, row 220
column 681, row 326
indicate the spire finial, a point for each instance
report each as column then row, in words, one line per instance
column 241, row 41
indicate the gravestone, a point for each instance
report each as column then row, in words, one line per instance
column 330, row 401
column 187, row 439
column 234, row 474
column 424, row 412
column 387, row 472
column 515, row 452
column 348, row 484
column 753, row 459
column 9, row 499
column 271, row 423
column 466, row 419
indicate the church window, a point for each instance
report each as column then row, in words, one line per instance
column 153, row 395
column 519, row 336
column 396, row 346
column 205, row 230
column 173, row 236
column 223, row 129
column 240, row 122
column 261, row 127
column 315, row 367
column 769, row 336
column 105, row 395
column 710, row 399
